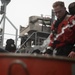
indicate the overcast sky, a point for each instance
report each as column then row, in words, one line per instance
column 19, row 11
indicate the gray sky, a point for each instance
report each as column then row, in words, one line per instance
column 19, row 11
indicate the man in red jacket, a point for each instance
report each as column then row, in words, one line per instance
column 71, row 8
column 62, row 37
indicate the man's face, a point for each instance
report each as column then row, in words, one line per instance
column 59, row 11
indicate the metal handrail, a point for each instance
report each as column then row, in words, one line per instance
column 19, row 62
column 27, row 39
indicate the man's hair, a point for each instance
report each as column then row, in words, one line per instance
column 58, row 3
column 71, row 8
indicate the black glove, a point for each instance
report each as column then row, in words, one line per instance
column 37, row 51
column 49, row 51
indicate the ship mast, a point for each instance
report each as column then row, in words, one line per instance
column 3, row 11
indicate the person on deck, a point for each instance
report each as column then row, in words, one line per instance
column 10, row 46
column 62, row 37
column 71, row 8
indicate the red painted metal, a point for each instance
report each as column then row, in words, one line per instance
column 24, row 64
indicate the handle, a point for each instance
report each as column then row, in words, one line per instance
column 24, row 66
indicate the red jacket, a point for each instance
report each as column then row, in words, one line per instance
column 65, row 32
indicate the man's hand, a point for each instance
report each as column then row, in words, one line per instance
column 72, row 54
